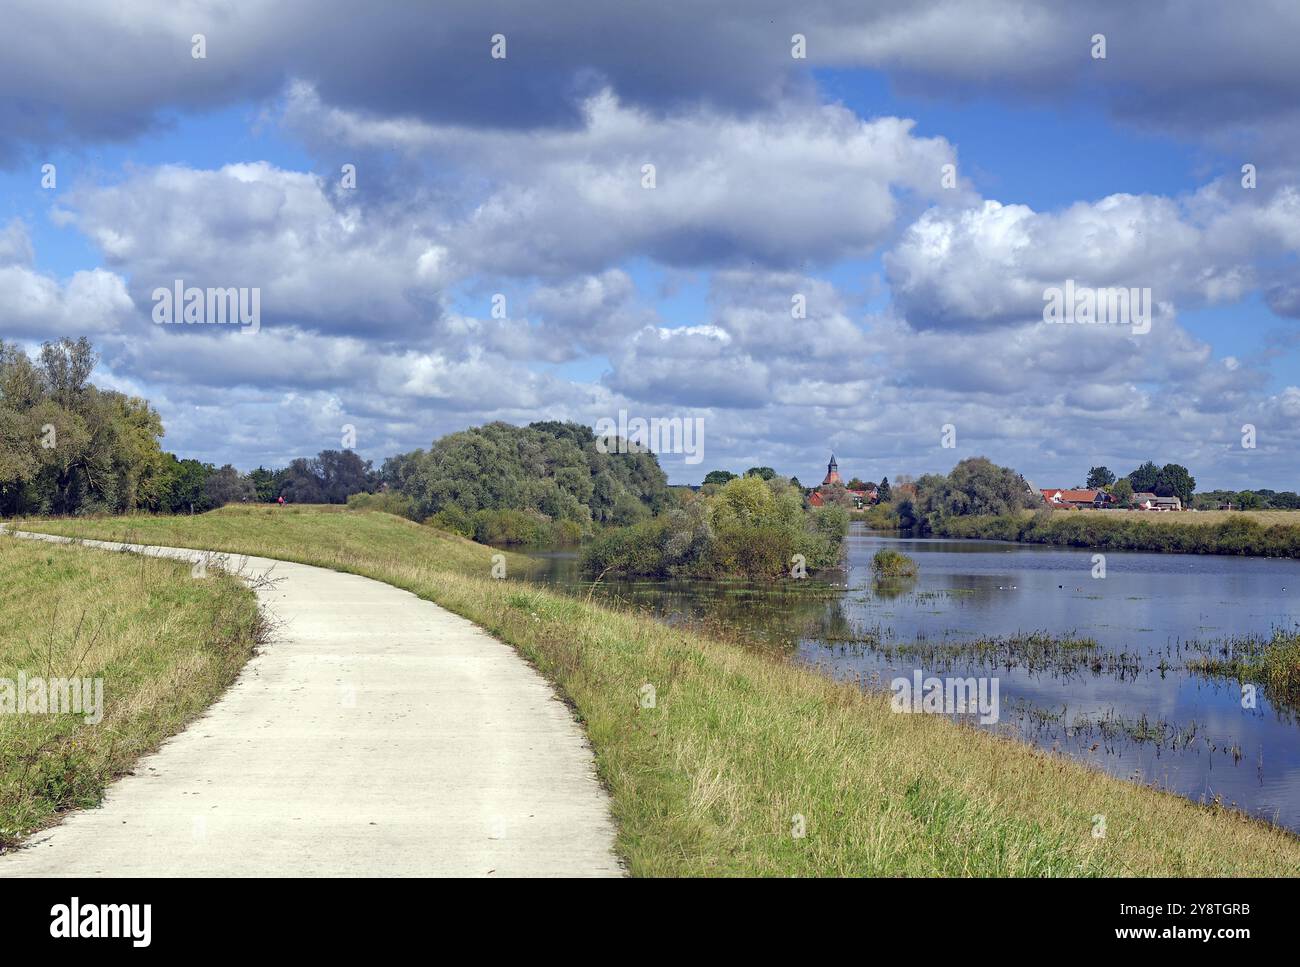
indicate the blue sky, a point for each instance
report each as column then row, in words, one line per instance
column 777, row 179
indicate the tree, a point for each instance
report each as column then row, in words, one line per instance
column 766, row 473
column 975, row 486
column 1122, row 491
column 1100, row 477
column 1144, row 478
column 883, row 489
column 1174, row 481
column 1248, row 500
column 718, row 476
column 68, row 447
column 229, row 486
column 268, row 484
column 555, row 469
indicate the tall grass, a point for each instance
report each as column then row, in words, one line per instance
column 1235, row 533
column 1273, row 663
column 888, row 563
column 710, row 779
column 164, row 643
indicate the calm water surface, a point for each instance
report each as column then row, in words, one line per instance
column 1146, row 614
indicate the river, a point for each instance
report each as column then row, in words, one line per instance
column 1136, row 711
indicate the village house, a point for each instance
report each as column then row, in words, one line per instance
column 1149, row 501
column 1058, row 497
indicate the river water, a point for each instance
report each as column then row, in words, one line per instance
column 1135, row 711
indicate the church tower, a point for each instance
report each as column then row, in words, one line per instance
column 832, row 473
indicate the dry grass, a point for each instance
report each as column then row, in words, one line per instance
column 1265, row 517
column 709, row 780
column 164, row 644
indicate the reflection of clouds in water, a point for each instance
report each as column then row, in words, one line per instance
column 1148, row 606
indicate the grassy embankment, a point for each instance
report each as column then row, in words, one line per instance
column 710, row 779
column 1253, row 533
column 164, row 644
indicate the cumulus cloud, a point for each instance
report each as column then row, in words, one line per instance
column 36, row 305
column 989, row 265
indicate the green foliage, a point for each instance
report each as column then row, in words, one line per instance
column 884, row 491
column 718, row 476
column 1239, row 534
column 67, row 447
column 550, row 469
column 1144, row 478
column 888, row 563
column 750, row 527
column 1122, row 491
column 387, row 502
column 331, row 477
column 767, row 473
column 975, row 486
column 1247, row 500
column 880, row 516
column 1099, row 477
column 525, row 528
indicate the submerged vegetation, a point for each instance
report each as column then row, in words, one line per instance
column 1273, row 664
column 749, row 527
column 708, row 780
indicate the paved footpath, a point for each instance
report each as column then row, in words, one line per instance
column 376, row 734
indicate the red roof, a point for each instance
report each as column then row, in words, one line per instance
column 1074, row 496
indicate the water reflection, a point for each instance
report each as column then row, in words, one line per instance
column 1131, row 708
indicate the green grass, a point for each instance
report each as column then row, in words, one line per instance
column 709, row 780
column 1252, row 533
column 887, row 563
column 164, row 644
column 1273, row 663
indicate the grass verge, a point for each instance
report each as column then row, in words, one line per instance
column 163, row 644
column 710, row 779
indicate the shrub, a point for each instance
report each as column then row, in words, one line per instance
column 388, row 502
column 888, row 563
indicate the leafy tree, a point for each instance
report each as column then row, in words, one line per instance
column 766, row 473
column 885, row 493
column 1100, row 477
column 975, row 486
column 67, row 447
column 1122, row 491
column 718, row 476
column 331, row 477
column 1174, row 481
column 558, row 470
column 229, row 486
column 267, row 483
column 1144, row 478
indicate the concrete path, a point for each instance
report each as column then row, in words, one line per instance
column 377, row 734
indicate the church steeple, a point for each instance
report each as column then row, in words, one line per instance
column 832, row 473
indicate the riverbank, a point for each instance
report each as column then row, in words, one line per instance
column 149, row 646
column 728, row 755
column 1239, row 533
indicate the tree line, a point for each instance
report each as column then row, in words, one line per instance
column 68, row 447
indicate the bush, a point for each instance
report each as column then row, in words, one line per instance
column 453, row 520
column 750, row 528
column 388, row 502
column 888, row 563
column 499, row 527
